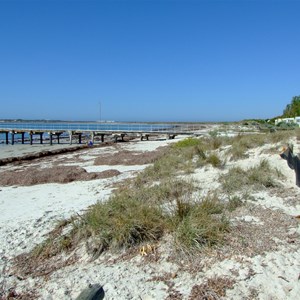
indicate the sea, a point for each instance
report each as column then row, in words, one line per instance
column 84, row 126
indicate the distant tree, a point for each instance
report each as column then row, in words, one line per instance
column 292, row 109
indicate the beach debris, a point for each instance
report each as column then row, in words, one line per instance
column 145, row 250
column 281, row 277
column 57, row 174
column 293, row 161
column 93, row 292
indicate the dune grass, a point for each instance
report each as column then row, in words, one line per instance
column 157, row 201
column 203, row 224
column 240, row 144
column 132, row 217
column 122, row 222
column 262, row 175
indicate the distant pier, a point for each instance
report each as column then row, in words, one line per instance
column 18, row 131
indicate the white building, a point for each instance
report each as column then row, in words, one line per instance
column 295, row 120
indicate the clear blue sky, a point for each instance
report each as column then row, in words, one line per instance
column 159, row 60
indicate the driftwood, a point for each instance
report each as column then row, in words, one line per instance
column 293, row 162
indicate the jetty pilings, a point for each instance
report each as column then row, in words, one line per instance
column 84, row 135
column 32, row 133
column 57, row 134
column 13, row 133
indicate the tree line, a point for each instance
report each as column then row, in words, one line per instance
column 293, row 109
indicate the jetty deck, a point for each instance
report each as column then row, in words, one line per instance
column 54, row 131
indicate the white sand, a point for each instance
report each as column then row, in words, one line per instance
column 28, row 213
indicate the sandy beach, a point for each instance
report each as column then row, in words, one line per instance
column 270, row 270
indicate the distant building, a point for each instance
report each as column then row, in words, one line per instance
column 295, row 120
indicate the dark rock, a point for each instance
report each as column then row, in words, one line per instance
column 93, row 292
column 293, row 162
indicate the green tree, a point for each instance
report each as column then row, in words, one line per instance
column 292, row 109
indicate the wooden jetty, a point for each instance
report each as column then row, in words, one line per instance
column 12, row 133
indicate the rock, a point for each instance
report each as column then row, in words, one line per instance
column 93, row 292
column 293, row 161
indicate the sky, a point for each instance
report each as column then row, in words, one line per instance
column 159, row 60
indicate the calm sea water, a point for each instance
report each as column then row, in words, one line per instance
column 78, row 126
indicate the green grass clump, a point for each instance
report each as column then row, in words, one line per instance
column 238, row 151
column 122, row 221
column 215, row 142
column 234, row 180
column 162, row 168
column 262, row 175
column 165, row 191
column 189, row 142
column 202, row 225
column 233, row 203
column 214, row 160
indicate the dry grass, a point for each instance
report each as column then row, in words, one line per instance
column 240, row 144
column 12, row 294
column 212, row 289
column 130, row 158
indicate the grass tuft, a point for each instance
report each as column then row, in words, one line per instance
column 189, row 142
column 123, row 221
column 215, row 160
column 262, row 175
column 202, row 225
column 233, row 203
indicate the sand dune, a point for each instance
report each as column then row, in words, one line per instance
column 269, row 270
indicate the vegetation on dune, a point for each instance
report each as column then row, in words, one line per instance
column 123, row 221
column 293, row 109
column 202, row 224
column 159, row 201
column 240, row 144
column 262, row 175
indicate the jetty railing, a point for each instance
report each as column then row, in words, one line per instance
column 103, row 127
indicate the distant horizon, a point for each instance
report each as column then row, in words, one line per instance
column 119, row 121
